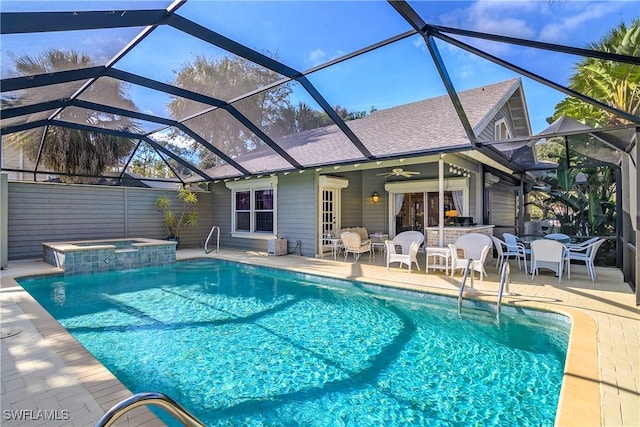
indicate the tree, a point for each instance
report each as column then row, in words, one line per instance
column 79, row 156
column 270, row 110
column 225, row 79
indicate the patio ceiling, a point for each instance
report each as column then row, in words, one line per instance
column 132, row 86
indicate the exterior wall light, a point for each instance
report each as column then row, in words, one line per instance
column 375, row 197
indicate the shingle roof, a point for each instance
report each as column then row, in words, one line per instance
column 419, row 127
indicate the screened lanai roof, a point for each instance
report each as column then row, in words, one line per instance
column 203, row 90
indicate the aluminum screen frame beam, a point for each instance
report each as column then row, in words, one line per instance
column 209, row 36
column 410, row 15
column 537, row 78
column 42, row 22
column 130, row 135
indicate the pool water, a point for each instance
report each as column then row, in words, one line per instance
column 244, row 345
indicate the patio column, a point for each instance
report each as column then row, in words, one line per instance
column 441, row 199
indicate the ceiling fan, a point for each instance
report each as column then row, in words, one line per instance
column 398, row 172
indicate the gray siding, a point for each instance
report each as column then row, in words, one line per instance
column 297, row 211
column 45, row 212
column 297, row 214
column 351, row 202
column 489, row 132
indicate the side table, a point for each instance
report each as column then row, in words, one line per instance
column 438, row 259
column 334, row 244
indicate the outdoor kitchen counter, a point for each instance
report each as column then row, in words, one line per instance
column 451, row 233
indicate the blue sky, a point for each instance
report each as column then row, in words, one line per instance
column 305, row 34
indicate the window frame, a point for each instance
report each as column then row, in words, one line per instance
column 253, row 186
column 497, row 130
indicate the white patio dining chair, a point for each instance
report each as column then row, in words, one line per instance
column 549, row 254
column 586, row 254
column 352, row 243
column 516, row 248
column 506, row 251
column 581, row 245
column 403, row 258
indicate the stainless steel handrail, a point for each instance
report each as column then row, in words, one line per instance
column 468, row 267
column 505, row 279
column 206, row 242
column 149, row 398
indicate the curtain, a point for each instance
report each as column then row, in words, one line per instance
column 398, row 203
column 458, row 201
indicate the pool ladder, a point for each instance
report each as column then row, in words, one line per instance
column 149, row 398
column 206, row 242
column 505, row 279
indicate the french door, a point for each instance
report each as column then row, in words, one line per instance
column 329, row 212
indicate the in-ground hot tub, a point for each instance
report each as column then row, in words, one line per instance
column 87, row 256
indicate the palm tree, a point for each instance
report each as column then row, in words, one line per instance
column 227, row 78
column 79, row 156
column 614, row 83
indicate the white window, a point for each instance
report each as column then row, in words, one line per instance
column 253, row 208
column 501, row 130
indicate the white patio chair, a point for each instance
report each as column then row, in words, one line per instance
column 406, row 238
column 549, row 254
column 403, row 258
column 581, row 245
column 458, row 262
column 352, row 243
column 473, row 245
column 516, row 248
column 505, row 252
column 586, row 254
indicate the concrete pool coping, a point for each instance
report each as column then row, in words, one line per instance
column 45, row 368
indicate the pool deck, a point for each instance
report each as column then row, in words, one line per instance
column 47, row 373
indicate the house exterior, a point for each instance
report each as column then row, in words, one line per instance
column 425, row 138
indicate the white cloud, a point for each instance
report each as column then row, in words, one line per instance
column 317, row 56
column 562, row 27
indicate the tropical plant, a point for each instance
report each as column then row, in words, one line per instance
column 614, row 83
column 589, row 205
column 77, row 155
column 185, row 216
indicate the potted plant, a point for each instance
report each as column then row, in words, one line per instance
column 185, row 216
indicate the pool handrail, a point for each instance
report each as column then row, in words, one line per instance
column 206, row 242
column 149, row 398
column 468, row 267
column 505, row 279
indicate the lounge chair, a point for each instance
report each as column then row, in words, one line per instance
column 352, row 243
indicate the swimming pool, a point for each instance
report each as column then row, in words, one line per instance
column 244, row 345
